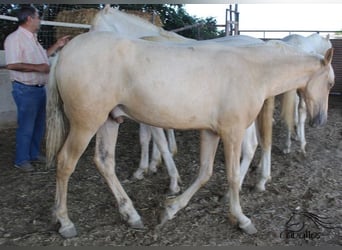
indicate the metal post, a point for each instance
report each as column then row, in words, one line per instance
column 230, row 20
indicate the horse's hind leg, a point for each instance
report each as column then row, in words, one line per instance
column 106, row 138
column 172, row 141
column 249, row 145
column 156, row 157
column 160, row 139
column 144, row 137
column 71, row 151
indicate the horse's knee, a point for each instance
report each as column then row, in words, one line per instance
column 64, row 169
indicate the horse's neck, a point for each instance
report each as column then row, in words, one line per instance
column 293, row 74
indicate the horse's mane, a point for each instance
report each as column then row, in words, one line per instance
column 136, row 21
column 285, row 47
column 314, row 43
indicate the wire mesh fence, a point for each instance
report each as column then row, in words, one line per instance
column 49, row 13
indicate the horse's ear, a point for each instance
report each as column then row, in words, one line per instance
column 106, row 8
column 327, row 37
column 328, row 56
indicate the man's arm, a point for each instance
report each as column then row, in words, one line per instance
column 27, row 67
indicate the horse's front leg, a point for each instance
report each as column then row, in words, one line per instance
column 106, row 138
column 144, row 137
column 74, row 146
column 160, row 139
column 209, row 142
column 248, row 148
column 232, row 149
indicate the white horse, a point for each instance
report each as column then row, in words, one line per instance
column 118, row 22
column 216, row 89
column 293, row 109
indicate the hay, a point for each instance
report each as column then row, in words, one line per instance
column 85, row 16
column 82, row 16
column 151, row 17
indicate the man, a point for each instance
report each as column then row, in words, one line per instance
column 29, row 68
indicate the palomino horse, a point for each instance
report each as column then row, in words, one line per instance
column 118, row 22
column 198, row 88
column 293, row 109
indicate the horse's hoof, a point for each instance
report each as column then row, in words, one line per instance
column 137, row 224
column 173, row 192
column 164, row 217
column 286, row 151
column 152, row 169
column 260, row 188
column 303, row 153
column 68, row 232
column 137, row 176
column 249, row 228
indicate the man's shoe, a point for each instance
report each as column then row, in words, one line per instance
column 26, row 167
column 39, row 159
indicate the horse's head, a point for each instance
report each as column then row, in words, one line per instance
column 316, row 92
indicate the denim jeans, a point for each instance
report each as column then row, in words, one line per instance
column 31, row 114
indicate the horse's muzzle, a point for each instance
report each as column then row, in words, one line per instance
column 319, row 120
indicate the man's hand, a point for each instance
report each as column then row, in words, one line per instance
column 59, row 44
column 62, row 41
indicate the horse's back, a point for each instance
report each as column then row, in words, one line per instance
column 239, row 40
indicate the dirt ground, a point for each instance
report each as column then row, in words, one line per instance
column 311, row 183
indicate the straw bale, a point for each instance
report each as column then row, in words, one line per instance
column 151, row 17
column 82, row 16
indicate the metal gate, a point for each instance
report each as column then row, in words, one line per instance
column 337, row 65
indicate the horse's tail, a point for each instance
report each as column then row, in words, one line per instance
column 288, row 105
column 55, row 124
column 265, row 122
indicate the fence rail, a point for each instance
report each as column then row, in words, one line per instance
column 263, row 33
column 51, row 23
column 287, row 32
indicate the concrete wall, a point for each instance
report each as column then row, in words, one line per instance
column 7, row 106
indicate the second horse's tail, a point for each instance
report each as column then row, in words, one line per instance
column 56, row 119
